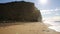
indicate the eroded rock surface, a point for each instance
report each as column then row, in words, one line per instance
column 19, row 11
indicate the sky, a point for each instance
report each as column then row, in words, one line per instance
column 48, row 8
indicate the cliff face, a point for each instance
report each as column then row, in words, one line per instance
column 19, row 11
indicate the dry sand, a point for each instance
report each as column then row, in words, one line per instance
column 26, row 28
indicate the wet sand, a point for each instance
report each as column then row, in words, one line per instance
column 26, row 28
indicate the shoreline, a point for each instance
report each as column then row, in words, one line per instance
column 27, row 28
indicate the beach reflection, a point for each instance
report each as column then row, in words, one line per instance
column 54, row 25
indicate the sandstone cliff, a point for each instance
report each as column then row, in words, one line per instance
column 19, row 11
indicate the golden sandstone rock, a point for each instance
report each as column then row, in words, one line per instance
column 19, row 11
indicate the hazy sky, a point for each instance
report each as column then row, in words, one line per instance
column 48, row 8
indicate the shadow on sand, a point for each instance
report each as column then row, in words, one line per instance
column 7, row 24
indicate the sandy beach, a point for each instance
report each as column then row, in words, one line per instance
column 26, row 28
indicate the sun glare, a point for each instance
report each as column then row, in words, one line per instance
column 43, row 1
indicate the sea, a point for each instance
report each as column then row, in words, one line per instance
column 54, row 25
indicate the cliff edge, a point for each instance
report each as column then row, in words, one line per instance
column 19, row 11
